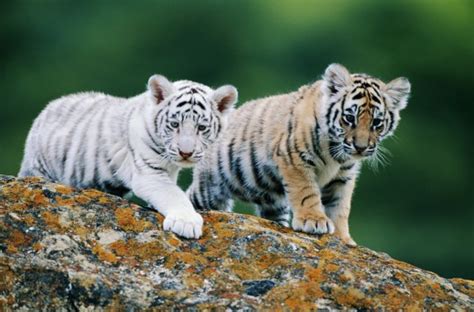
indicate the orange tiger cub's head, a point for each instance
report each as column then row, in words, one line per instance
column 361, row 111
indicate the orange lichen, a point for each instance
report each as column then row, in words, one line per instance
column 15, row 191
column 315, row 275
column 91, row 193
column 39, row 199
column 29, row 220
column 18, row 207
column 7, row 278
column 11, row 249
column 331, row 267
column 245, row 271
column 299, row 296
column 52, row 221
column 193, row 281
column 81, row 199
column 81, row 231
column 33, row 179
column 17, row 239
column 351, row 297
column 104, row 200
column 134, row 249
column 64, row 201
column 62, row 189
column 127, row 221
column 37, row 246
column 104, row 255
column 174, row 241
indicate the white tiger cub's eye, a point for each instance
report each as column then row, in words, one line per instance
column 174, row 124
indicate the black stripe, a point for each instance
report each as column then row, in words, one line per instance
column 95, row 177
column 148, row 164
column 306, row 198
column 274, row 213
column 81, row 158
column 328, row 114
column 348, row 167
column 180, row 96
column 186, row 86
column 336, row 112
column 332, row 88
column 336, row 182
column 152, row 139
column 391, row 122
column 329, row 200
column 272, row 175
column 289, row 131
column 315, row 142
column 203, row 188
column 201, row 105
column 306, row 159
column 376, row 91
column 376, row 99
column 257, row 173
column 358, row 96
column 182, row 103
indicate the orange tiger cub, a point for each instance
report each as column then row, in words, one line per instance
column 298, row 155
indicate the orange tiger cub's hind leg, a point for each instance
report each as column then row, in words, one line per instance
column 305, row 199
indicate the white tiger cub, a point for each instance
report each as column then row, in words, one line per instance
column 139, row 144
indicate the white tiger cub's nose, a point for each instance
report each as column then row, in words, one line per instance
column 186, row 141
column 186, row 145
column 185, row 155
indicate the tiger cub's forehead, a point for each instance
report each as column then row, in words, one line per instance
column 365, row 81
column 366, row 91
column 188, row 86
column 190, row 101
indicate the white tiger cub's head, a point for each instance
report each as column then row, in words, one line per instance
column 189, row 116
column 361, row 111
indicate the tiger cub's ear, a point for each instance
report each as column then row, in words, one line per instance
column 160, row 88
column 397, row 92
column 336, row 78
column 225, row 98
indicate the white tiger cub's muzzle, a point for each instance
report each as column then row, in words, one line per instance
column 186, row 141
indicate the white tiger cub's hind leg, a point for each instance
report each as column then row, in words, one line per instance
column 277, row 211
column 159, row 190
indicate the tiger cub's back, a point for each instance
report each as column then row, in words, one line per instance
column 70, row 140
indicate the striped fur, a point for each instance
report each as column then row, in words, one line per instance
column 93, row 140
column 300, row 153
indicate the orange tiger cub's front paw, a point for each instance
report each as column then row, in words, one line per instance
column 314, row 224
column 348, row 241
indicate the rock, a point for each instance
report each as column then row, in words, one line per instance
column 61, row 248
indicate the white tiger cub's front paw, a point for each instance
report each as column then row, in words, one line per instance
column 186, row 224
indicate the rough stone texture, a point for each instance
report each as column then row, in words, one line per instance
column 66, row 249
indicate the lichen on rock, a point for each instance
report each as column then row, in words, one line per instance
column 72, row 249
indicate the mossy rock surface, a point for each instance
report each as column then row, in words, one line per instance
column 62, row 248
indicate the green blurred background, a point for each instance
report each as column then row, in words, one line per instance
column 418, row 209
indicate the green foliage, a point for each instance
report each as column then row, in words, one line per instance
column 418, row 209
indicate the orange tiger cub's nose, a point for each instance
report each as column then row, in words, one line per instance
column 360, row 148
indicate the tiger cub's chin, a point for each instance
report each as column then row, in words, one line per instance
column 298, row 155
column 93, row 140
